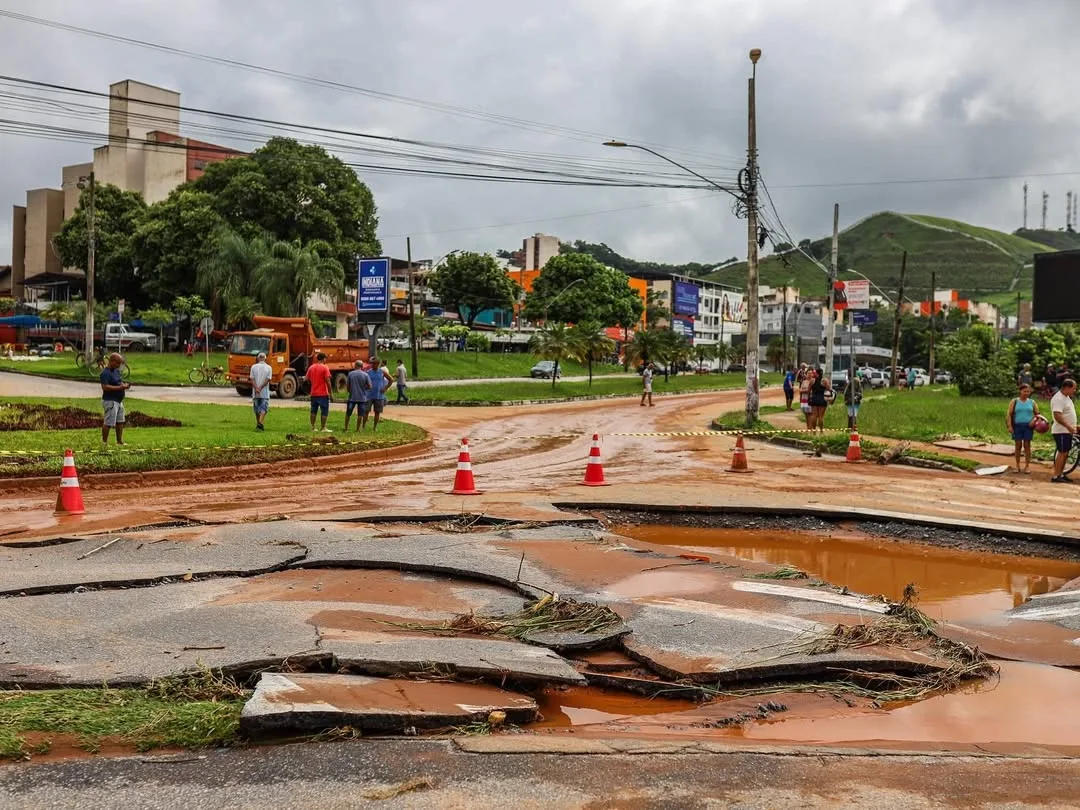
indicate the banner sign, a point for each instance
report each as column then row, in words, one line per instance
column 372, row 289
column 733, row 307
column 683, row 326
column 864, row 317
column 851, row 295
column 686, row 299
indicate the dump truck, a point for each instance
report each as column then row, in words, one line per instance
column 290, row 346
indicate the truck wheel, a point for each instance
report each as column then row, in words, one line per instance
column 287, row 387
column 243, row 391
column 136, row 347
column 340, row 382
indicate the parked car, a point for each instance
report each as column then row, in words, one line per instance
column 921, row 377
column 736, row 367
column 544, row 369
column 875, row 377
column 943, row 377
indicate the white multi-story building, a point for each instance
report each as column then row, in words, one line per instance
column 704, row 311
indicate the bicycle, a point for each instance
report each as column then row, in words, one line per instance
column 1072, row 460
column 207, row 375
column 99, row 363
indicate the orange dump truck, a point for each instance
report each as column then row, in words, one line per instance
column 290, row 346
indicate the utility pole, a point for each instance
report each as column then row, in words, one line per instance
column 412, row 308
column 91, row 238
column 1068, row 211
column 752, row 325
column 1045, row 198
column 1025, row 206
column 933, row 319
column 829, row 330
column 783, row 331
column 896, row 322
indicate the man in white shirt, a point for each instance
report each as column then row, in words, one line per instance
column 1064, row 428
column 260, row 375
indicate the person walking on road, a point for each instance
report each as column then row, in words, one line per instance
column 1020, row 421
column 400, row 377
column 260, row 375
column 380, row 381
column 646, row 384
column 113, row 389
column 318, row 377
column 359, row 396
column 1064, row 428
column 853, row 400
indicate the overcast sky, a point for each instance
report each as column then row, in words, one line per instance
column 849, row 91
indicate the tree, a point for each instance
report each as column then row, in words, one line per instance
column 656, row 308
column 117, row 215
column 478, row 342
column 703, row 353
column 294, row 272
column 159, row 317
column 241, row 312
column 469, row 283
column 192, row 309
column 588, row 343
column 778, row 354
column 172, row 240
column 230, row 266
column 6, row 305
column 598, row 293
column 647, row 346
column 295, row 193
column 553, row 342
column 675, row 350
column 59, row 311
column 724, row 354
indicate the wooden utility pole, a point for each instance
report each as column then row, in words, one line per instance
column 896, row 322
column 412, row 308
column 91, row 239
column 829, row 327
column 753, row 330
column 933, row 320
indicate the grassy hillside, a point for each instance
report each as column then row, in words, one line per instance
column 980, row 262
column 1054, row 240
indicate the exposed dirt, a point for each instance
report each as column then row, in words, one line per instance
column 42, row 417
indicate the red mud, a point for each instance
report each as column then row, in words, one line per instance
column 578, row 706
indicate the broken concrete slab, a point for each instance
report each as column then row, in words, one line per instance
column 567, row 642
column 135, row 636
column 102, row 561
column 491, row 658
column 310, row 703
column 571, row 533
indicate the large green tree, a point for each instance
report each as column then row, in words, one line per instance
column 229, row 268
column 469, row 283
column 589, row 343
column 574, row 288
column 117, row 214
column 295, row 193
column 172, row 240
column 293, row 272
column 553, row 341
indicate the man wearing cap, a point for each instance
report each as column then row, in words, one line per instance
column 260, row 375
column 113, row 389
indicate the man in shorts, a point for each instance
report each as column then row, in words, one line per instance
column 380, row 381
column 401, row 378
column 359, row 396
column 646, row 384
column 113, row 389
column 260, row 375
column 1064, row 428
column 318, row 377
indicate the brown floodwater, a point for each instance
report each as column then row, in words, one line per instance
column 583, row 706
column 953, row 584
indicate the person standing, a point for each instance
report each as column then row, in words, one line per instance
column 1064, row 428
column 1050, row 381
column 359, row 396
column 853, row 400
column 646, row 384
column 912, row 378
column 1024, row 377
column 1020, row 421
column 400, row 377
column 804, row 394
column 113, row 390
column 380, row 381
column 318, row 377
column 260, row 375
column 789, row 386
column 819, row 400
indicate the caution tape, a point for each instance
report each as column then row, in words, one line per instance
column 199, row 448
column 731, row 432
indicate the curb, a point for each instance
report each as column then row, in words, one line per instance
column 495, row 403
column 210, row 474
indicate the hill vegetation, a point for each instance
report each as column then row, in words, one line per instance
column 606, row 255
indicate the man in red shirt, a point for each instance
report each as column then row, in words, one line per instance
column 318, row 377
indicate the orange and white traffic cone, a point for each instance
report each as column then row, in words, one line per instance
column 738, row 460
column 464, row 484
column 854, row 448
column 594, row 470
column 69, row 500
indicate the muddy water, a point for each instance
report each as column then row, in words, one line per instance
column 952, row 584
column 580, row 706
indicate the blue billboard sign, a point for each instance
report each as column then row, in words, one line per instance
column 373, row 287
column 864, row 317
column 683, row 326
column 685, row 297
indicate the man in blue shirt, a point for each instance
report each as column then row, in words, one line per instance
column 359, row 396
column 380, row 381
column 113, row 389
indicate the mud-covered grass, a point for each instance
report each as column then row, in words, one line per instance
column 208, row 436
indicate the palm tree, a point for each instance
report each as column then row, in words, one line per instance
column 60, row 311
column 240, row 313
column 774, row 353
column 552, row 341
column 704, row 352
column 231, row 268
column 723, row 353
column 675, row 350
column 159, row 317
column 646, row 346
column 589, row 343
column 293, row 273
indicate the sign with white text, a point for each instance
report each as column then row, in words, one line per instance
column 373, row 290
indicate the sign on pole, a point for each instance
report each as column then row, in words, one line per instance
column 373, row 291
column 851, row 295
column 864, row 317
column 120, row 308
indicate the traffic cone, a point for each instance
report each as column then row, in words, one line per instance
column 69, row 500
column 464, row 484
column 854, row 448
column 594, row 470
column 738, row 460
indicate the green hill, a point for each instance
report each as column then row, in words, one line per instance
column 981, row 263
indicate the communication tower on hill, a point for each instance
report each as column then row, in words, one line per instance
column 1025, row 206
column 1045, row 197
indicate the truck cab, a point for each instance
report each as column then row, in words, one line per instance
column 121, row 337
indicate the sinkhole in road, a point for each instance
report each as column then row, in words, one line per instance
column 953, row 584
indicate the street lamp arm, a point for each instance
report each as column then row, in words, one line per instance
column 674, row 163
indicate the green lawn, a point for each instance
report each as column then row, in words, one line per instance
column 210, row 436
column 149, row 368
column 624, row 386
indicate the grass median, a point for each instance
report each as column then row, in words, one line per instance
column 208, row 436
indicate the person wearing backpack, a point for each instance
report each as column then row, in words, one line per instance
column 853, row 399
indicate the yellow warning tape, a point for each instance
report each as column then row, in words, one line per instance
column 731, row 432
column 125, row 449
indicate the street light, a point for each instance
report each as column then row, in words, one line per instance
column 559, row 295
column 717, row 186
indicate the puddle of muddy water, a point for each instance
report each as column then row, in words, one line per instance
column 583, row 706
column 953, row 584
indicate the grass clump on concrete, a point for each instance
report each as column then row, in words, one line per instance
column 198, row 712
column 549, row 614
column 783, row 572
